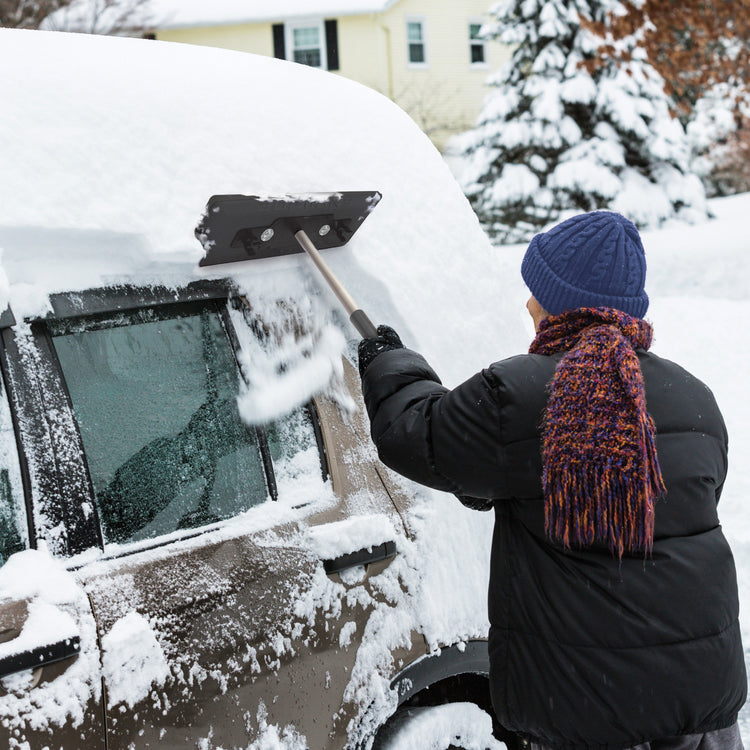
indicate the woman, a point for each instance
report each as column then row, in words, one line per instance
column 613, row 595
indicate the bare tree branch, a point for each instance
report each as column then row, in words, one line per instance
column 123, row 17
column 28, row 14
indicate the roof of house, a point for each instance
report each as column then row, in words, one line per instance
column 171, row 14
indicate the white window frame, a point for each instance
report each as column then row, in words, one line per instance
column 477, row 42
column 289, row 48
column 423, row 23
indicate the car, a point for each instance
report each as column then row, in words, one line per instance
column 200, row 547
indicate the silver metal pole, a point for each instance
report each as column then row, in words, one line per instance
column 359, row 319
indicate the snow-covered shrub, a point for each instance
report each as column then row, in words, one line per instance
column 719, row 138
column 578, row 120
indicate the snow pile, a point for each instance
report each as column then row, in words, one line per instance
column 58, row 608
column 442, row 727
column 356, row 533
column 270, row 737
column 560, row 135
column 132, row 661
column 291, row 348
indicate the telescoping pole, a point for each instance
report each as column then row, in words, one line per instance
column 357, row 316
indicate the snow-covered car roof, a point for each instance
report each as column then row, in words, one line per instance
column 110, row 149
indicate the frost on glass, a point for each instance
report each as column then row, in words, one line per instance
column 156, row 404
column 12, row 510
column 294, row 447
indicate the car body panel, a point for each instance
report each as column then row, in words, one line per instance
column 234, row 607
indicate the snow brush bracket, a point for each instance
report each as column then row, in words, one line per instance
column 237, row 228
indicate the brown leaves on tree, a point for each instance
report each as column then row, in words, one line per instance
column 693, row 44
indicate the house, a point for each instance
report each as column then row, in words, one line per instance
column 426, row 55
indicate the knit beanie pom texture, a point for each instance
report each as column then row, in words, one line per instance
column 590, row 260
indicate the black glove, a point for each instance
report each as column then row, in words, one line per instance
column 368, row 349
column 476, row 503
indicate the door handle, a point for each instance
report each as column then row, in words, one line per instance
column 363, row 556
column 40, row 656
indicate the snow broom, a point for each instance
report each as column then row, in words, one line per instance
column 249, row 227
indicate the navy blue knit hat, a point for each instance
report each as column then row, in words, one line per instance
column 591, row 260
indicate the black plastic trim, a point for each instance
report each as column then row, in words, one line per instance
column 470, row 658
column 5, row 336
column 96, row 525
column 265, row 455
column 40, row 656
column 363, row 556
column 322, row 455
column 126, row 297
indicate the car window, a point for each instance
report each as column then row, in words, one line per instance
column 155, row 400
column 294, row 446
column 13, row 526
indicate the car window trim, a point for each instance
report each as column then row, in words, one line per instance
column 22, row 459
column 102, row 307
column 130, row 297
column 24, row 369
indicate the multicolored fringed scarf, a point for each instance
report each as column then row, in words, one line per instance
column 601, row 475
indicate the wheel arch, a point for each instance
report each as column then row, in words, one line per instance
column 470, row 658
column 456, row 673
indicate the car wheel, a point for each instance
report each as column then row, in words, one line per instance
column 451, row 726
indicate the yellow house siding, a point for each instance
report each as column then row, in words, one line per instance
column 444, row 95
column 363, row 51
column 255, row 37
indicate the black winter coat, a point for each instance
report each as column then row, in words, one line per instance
column 585, row 652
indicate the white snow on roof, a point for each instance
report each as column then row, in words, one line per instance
column 167, row 14
column 110, row 149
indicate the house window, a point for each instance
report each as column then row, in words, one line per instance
column 306, row 44
column 415, row 37
column 314, row 43
column 477, row 52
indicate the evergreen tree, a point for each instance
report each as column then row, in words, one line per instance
column 578, row 120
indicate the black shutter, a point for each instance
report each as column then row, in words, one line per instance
column 332, row 44
column 279, row 49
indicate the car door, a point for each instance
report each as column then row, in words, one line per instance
column 221, row 617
